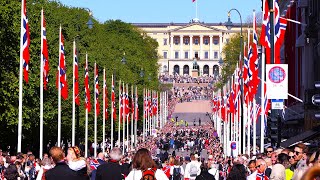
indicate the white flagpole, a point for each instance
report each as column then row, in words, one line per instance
column 136, row 115
column 123, row 119
column 86, row 124
column 244, row 114
column 95, row 111
column 254, row 128
column 112, row 111
column 157, row 117
column 73, row 98
column 104, row 111
column 197, row 9
column 132, row 116
column 144, row 116
column 127, row 116
column 120, row 115
column 41, row 89
column 20, row 81
column 262, row 102
column 59, row 94
column 248, row 128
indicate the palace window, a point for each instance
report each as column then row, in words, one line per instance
column 186, row 41
column 176, row 54
column 165, row 41
column 176, row 41
column 206, row 41
column 165, row 55
column 186, row 53
column 206, row 55
column 196, row 41
column 215, row 41
column 215, row 55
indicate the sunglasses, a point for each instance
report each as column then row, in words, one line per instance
column 269, row 151
column 297, row 153
column 258, row 166
column 291, row 157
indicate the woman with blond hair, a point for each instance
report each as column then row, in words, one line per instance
column 76, row 162
column 143, row 165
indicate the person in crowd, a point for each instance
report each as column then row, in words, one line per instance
column 11, row 172
column 193, row 168
column 252, row 166
column 261, row 166
column 176, row 171
column 278, row 170
column 76, row 162
column 95, row 163
column 269, row 151
column 143, row 166
column 315, row 159
column 292, row 161
column 31, row 167
column 61, row 171
column 45, row 166
column 167, row 167
column 112, row 169
column 238, row 172
column 204, row 175
column 300, row 155
column 312, row 174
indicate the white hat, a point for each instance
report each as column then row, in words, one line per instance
column 210, row 157
column 196, row 156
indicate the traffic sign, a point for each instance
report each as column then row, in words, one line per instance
column 276, row 103
column 233, row 145
column 277, row 81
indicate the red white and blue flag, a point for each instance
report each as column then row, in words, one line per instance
column 62, row 69
column 76, row 75
column 44, row 52
column 136, row 115
column 86, row 86
column 113, row 100
column 106, row 100
column 24, row 40
column 94, row 164
column 96, row 89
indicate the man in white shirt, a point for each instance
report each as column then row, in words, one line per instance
column 192, row 169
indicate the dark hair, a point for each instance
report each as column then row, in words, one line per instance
column 283, row 158
column 238, row 172
column 11, row 173
column 142, row 160
column 251, row 162
column 303, row 147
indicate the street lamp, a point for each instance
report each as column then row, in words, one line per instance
column 90, row 22
column 229, row 25
column 123, row 60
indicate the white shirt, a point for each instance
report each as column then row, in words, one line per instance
column 187, row 173
column 175, row 166
column 137, row 175
column 214, row 172
column 252, row 176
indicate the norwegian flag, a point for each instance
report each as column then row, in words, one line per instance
column 155, row 103
column 150, row 105
column 44, row 52
column 24, row 40
column 76, row 75
column 261, row 176
column 113, row 100
column 96, row 88
column 105, row 98
column 62, row 69
column 94, row 164
column 127, row 103
column 136, row 117
column 121, row 91
column 86, row 86
column 145, row 100
column 265, row 30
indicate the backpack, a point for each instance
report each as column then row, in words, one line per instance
column 176, row 173
column 149, row 174
column 193, row 170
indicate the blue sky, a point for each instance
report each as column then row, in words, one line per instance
column 165, row 11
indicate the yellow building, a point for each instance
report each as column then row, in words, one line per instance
column 180, row 44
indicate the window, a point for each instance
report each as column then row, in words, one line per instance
column 165, row 41
column 196, row 41
column 206, row 55
column 176, row 54
column 186, row 54
column 186, row 41
column 215, row 42
column 165, row 55
column 206, row 42
column 176, row 41
column 196, row 54
column 215, row 55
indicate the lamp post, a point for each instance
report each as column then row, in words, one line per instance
column 229, row 25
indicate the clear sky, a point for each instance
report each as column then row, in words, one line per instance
column 166, row 11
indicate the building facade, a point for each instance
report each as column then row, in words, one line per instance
column 181, row 44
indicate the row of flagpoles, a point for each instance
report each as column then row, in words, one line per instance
column 226, row 102
column 151, row 119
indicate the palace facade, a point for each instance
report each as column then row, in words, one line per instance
column 181, row 44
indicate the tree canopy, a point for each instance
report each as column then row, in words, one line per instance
column 106, row 44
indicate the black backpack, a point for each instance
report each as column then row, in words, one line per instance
column 176, row 173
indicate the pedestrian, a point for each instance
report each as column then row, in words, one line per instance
column 45, row 166
column 176, row 171
column 61, row 171
column 76, row 162
column 112, row 169
column 144, row 167
column 192, row 168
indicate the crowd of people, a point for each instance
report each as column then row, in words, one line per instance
column 208, row 79
column 189, row 93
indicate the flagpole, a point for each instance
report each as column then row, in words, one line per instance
column 132, row 116
column 157, row 105
column 254, row 128
column 86, row 123
column 95, row 110
column 123, row 118
column 144, row 116
column 104, row 111
column 196, row 9
column 73, row 99
column 249, row 127
column 41, row 89
column 262, row 114
column 59, row 93
column 136, row 116
column 112, row 111
column 127, row 116
column 119, row 122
